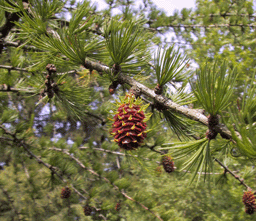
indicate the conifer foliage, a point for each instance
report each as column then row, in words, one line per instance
column 103, row 119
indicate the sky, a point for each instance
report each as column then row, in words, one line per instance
column 168, row 5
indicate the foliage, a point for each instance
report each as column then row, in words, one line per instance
column 64, row 64
column 214, row 87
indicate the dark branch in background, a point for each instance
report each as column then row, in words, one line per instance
column 53, row 169
column 10, row 200
column 103, row 121
column 111, row 152
column 152, row 148
column 11, row 18
column 7, row 88
column 9, row 23
column 234, row 175
column 16, row 44
column 13, row 68
column 225, row 15
column 105, row 179
column 50, row 167
column 203, row 26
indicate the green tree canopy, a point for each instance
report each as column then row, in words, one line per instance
column 103, row 118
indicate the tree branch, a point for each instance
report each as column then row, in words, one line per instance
column 234, row 175
column 5, row 88
column 13, row 68
column 11, row 18
column 11, row 202
column 112, row 152
column 50, row 167
column 16, row 44
column 165, row 102
column 204, row 26
column 105, row 179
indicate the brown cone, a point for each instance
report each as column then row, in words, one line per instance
column 249, row 202
column 87, row 210
column 168, row 164
column 65, row 193
column 129, row 128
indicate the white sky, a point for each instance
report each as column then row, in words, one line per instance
column 168, row 5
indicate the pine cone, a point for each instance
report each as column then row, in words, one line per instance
column 249, row 210
column 168, row 164
column 129, row 127
column 249, row 202
column 65, row 192
column 118, row 206
column 87, row 210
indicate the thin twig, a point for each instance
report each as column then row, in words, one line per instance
column 16, row 44
column 120, row 154
column 11, row 202
column 105, row 179
column 13, row 68
column 16, row 90
column 50, row 167
column 205, row 26
column 234, row 175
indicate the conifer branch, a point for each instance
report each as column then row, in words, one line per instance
column 234, row 175
column 204, row 26
column 103, row 121
column 105, row 179
column 53, row 170
column 11, row 18
column 165, row 102
column 111, row 152
column 13, row 68
column 50, row 167
column 225, row 15
column 11, row 202
column 16, row 90
column 16, row 44
column 205, row 173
